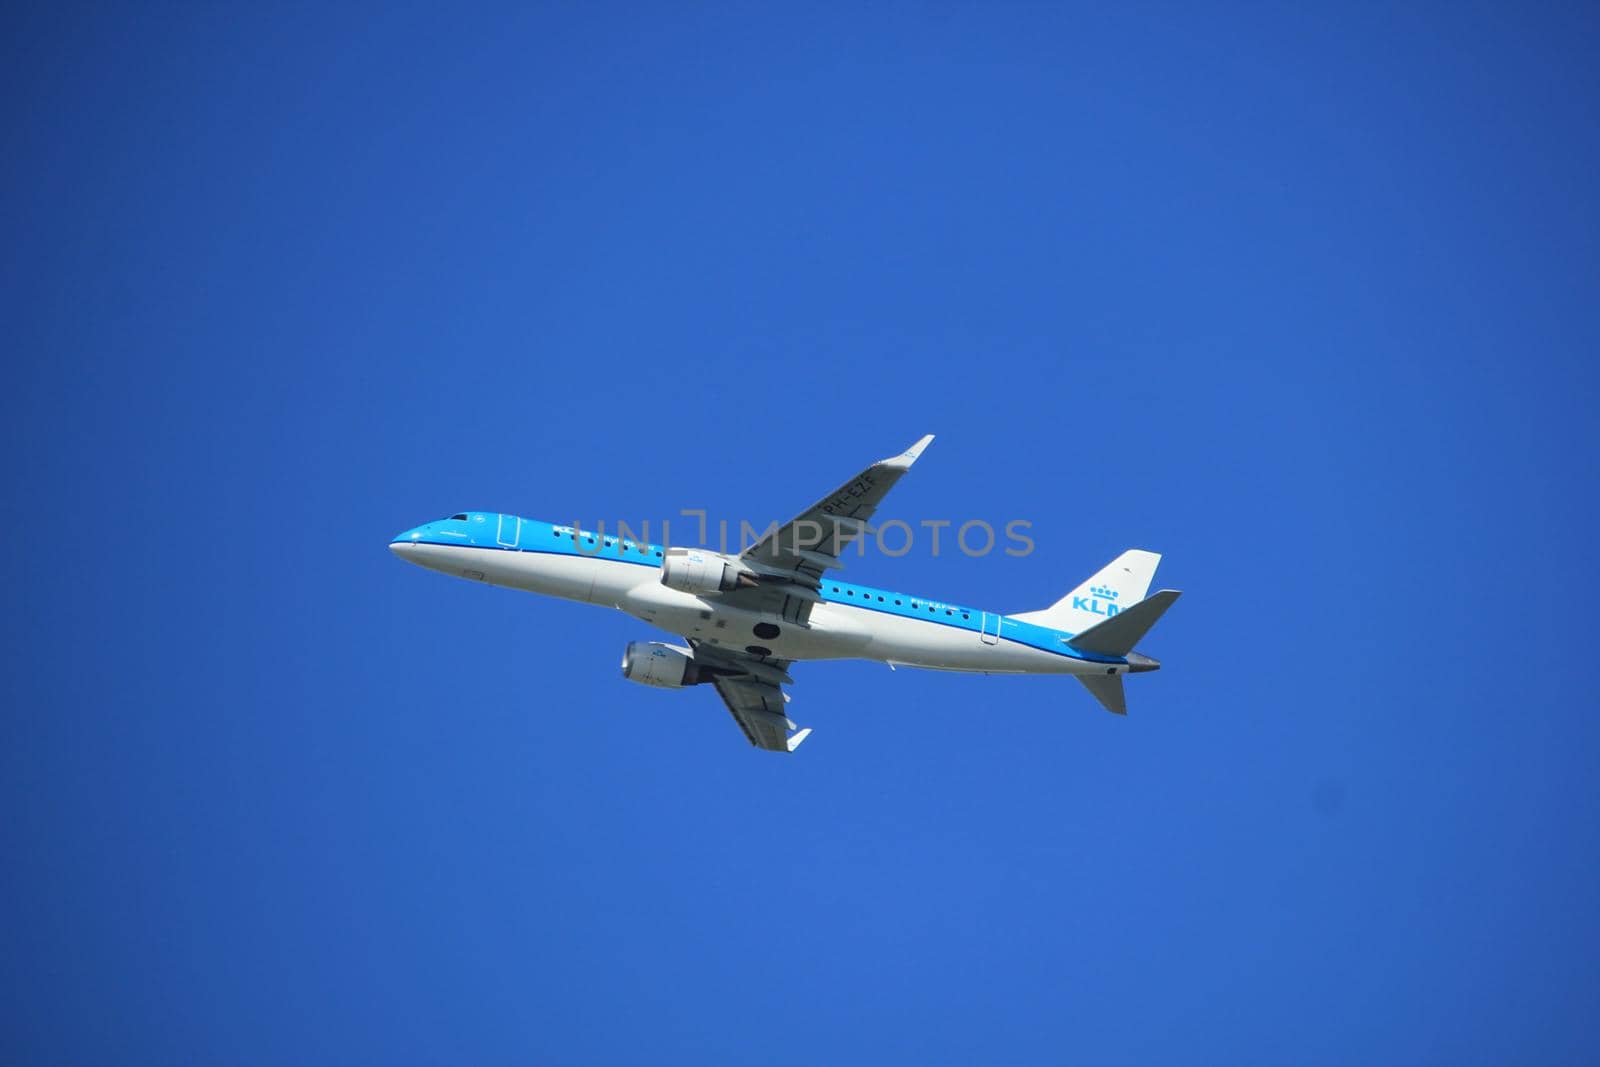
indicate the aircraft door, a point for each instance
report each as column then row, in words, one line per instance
column 989, row 628
column 510, row 529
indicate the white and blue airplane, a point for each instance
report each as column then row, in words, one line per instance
column 747, row 618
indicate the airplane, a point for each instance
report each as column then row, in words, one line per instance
column 747, row 618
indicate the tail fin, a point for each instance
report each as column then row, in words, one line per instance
column 1117, row 586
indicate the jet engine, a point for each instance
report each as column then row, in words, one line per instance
column 694, row 570
column 654, row 663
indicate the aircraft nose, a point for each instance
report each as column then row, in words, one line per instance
column 404, row 544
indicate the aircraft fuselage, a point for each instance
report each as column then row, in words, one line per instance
column 848, row 621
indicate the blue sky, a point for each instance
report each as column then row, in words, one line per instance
column 1303, row 299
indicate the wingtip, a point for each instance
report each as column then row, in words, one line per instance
column 909, row 456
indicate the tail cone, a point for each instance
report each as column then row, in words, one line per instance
column 1138, row 664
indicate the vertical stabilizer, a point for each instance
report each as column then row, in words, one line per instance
column 1116, row 587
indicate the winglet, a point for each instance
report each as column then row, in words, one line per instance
column 798, row 739
column 905, row 459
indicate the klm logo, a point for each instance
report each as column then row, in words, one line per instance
column 1101, row 600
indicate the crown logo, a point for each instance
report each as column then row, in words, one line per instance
column 1104, row 592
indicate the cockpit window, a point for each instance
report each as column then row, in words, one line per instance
column 461, row 516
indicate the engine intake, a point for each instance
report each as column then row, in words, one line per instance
column 662, row 665
column 694, row 570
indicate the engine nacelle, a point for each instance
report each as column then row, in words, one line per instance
column 694, row 570
column 654, row 663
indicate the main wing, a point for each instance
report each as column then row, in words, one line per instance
column 790, row 561
column 752, row 688
column 788, row 564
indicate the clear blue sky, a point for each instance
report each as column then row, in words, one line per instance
column 1304, row 299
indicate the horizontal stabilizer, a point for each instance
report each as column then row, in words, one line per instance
column 1107, row 689
column 1118, row 635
